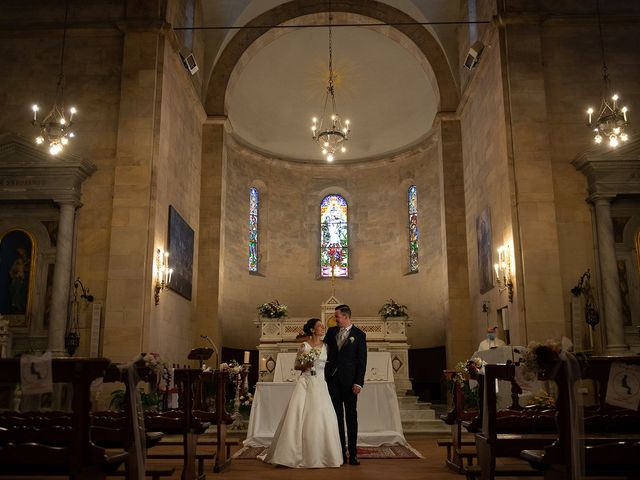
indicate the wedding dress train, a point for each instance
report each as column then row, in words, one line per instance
column 307, row 436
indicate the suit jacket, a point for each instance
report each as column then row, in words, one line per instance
column 348, row 364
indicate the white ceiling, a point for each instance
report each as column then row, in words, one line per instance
column 278, row 87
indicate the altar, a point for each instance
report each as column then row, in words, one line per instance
column 378, row 414
column 379, row 420
column 389, row 335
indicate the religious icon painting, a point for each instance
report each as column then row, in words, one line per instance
column 483, row 233
column 181, row 240
column 17, row 252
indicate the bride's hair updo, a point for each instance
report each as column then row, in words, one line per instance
column 309, row 326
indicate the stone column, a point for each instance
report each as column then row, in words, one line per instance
column 61, row 279
column 613, row 321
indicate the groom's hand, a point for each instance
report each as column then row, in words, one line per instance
column 356, row 389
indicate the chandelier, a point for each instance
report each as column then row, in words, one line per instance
column 329, row 132
column 55, row 127
column 611, row 121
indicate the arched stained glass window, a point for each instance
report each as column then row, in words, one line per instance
column 253, row 229
column 413, row 228
column 334, row 245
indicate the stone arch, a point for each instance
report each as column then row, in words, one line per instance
column 421, row 37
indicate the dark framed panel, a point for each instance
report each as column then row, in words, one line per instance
column 483, row 232
column 180, row 248
column 17, row 276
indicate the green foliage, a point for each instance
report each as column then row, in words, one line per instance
column 149, row 401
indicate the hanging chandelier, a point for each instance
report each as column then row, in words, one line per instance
column 55, row 127
column 329, row 132
column 611, row 121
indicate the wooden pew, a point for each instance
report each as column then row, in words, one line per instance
column 612, row 434
column 458, row 448
column 190, row 421
column 65, row 447
column 111, row 429
column 506, row 433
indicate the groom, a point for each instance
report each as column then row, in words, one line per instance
column 346, row 365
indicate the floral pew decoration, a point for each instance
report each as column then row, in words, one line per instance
column 465, row 371
column 159, row 380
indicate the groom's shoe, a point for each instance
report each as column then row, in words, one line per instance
column 344, row 459
column 354, row 461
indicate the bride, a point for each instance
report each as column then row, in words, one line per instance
column 307, row 436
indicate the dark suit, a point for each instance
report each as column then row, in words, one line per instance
column 345, row 368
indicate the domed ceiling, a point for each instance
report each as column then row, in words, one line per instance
column 385, row 89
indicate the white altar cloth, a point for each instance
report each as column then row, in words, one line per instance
column 379, row 367
column 378, row 414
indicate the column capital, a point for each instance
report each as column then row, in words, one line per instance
column 601, row 198
column 67, row 201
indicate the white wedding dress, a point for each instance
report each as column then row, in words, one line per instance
column 307, row 436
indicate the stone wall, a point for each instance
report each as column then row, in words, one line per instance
column 290, row 196
column 486, row 175
column 30, row 64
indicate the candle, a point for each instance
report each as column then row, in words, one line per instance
column 246, row 356
column 495, row 267
column 263, row 364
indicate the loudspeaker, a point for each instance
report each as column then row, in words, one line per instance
column 189, row 61
column 473, row 57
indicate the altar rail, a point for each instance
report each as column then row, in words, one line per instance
column 280, row 335
column 378, row 329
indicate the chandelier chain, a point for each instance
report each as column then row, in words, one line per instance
column 55, row 127
column 330, row 132
column 610, row 122
column 60, row 86
column 604, row 60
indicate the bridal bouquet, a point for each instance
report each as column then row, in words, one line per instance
column 309, row 357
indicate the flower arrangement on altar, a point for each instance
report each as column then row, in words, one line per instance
column 272, row 310
column 392, row 309
column 305, row 358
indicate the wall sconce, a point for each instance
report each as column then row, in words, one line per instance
column 503, row 271
column 162, row 273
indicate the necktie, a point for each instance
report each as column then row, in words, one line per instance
column 342, row 336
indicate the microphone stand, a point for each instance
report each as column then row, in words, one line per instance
column 215, row 351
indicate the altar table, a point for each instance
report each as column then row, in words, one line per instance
column 378, row 414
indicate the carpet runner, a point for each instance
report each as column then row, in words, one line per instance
column 386, row 451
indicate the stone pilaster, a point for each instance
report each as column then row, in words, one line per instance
column 454, row 241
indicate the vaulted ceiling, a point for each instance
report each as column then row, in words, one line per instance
column 385, row 85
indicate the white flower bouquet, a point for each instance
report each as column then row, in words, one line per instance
column 273, row 309
column 308, row 358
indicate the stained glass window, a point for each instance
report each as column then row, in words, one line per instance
column 413, row 228
column 253, row 229
column 334, row 245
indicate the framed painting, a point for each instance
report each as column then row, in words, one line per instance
column 180, row 248
column 17, row 276
column 483, row 234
